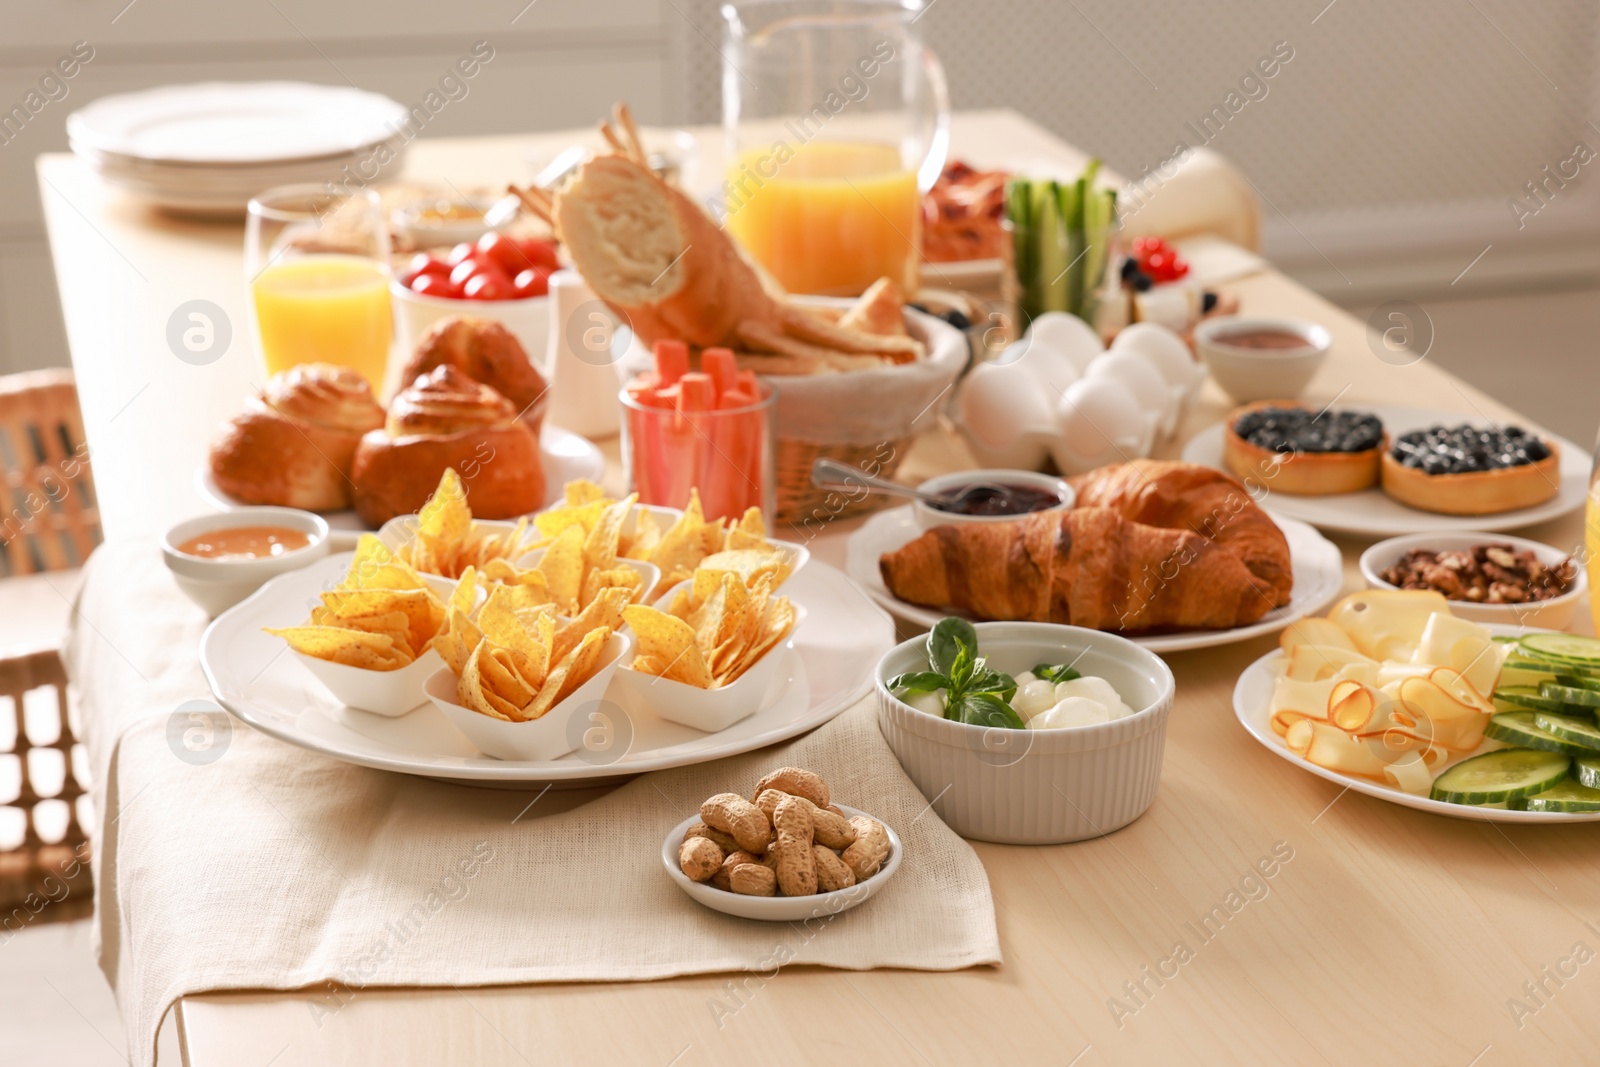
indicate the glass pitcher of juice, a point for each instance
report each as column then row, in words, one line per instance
column 837, row 121
column 318, row 268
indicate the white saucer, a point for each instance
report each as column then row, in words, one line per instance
column 1373, row 513
column 1318, row 579
column 564, row 455
column 255, row 677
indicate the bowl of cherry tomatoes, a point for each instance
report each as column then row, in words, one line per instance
column 495, row 277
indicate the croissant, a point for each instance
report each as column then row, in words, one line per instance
column 1200, row 499
column 1087, row 566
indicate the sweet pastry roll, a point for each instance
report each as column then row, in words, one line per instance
column 293, row 445
column 485, row 351
column 446, row 419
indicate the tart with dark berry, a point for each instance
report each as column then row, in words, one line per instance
column 1471, row 470
column 1291, row 448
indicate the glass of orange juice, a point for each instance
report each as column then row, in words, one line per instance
column 317, row 263
column 837, row 121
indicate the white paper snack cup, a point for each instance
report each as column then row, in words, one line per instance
column 545, row 738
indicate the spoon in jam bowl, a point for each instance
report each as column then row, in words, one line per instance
column 979, row 497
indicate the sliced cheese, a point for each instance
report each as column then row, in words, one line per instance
column 1311, row 662
column 1387, row 623
column 1463, row 646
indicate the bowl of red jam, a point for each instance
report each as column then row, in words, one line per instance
column 989, row 495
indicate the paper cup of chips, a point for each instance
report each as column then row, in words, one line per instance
column 709, row 650
column 516, row 673
column 370, row 638
column 546, row 738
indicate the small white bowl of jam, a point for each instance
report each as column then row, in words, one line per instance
column 218, row 560
column 1259, row 357
column 990, row 495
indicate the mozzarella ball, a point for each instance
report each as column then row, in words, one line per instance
column 931, row 703
column 1033, row 697
column 1073, row 711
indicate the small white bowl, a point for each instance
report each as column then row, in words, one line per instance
column 709, row 710
column 527, row 318
column 218, row 584
column 1036, row 787
column 1553, row 614
column 927, row 518
column 780, row 909
column 387, row 693
column 1248, row 374
column 545, row 738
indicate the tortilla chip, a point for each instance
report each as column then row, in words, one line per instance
column 670, row 642
column 572, row 671
column 472, row 692
column 605, row 610
column 562, row 567
column 353, row 648
column 646, row 536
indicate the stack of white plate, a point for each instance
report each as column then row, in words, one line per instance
column 207, row 149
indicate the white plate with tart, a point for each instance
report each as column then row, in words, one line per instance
column 1384, row 697
column 564, row 456
column 1433, row 470
column 1318, row 576
column 257, row 678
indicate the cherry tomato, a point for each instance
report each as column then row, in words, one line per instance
column 503, row 252
column 539, row 252
column 460, row 252
column 466, row 269
column 535, row 281
column 490, row 285
column 422, row 263
column 435, row 285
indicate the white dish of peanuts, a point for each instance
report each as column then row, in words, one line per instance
column 786, row 852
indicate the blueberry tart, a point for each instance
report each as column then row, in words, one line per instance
column 1306, row 451
column 1471, row 470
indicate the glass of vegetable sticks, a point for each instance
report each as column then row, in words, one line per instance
column 711, row 429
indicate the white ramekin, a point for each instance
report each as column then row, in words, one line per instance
column 218, row 584
column 1249, row 374
column 1036, row 787
column 927, row 517
column 1553, row 614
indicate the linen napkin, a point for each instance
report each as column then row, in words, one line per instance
column 270, row 867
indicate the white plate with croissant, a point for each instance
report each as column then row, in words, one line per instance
column 1167, row 587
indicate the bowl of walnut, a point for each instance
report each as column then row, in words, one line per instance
column 1486, row 577
column 784, row 852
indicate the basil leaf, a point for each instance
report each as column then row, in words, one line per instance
column 1056, row 673
column 985, row 709
column 918, row 682
column 961, row 671
column 991, row 681
column 947, row 640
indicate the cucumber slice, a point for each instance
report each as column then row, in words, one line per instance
column 1563, row 648
column 1544, row 666
column 1570, row 694
column 1567, row 795
column 1518, row 728
column 1587, row 770
column 1527, row 673
column 1514, row 697
column 1578, row 729
column 1497, row 776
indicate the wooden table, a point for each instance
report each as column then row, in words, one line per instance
column 1381, row 935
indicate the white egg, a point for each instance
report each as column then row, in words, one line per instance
column 1139, row 374
column 1096, row 417
column 999, row 402
column 1069, row 335
column 1048, row 364
column 1074, row 711
column 1033, row 697
column 1161, row 347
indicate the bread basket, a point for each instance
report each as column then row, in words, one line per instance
column 866, row 419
